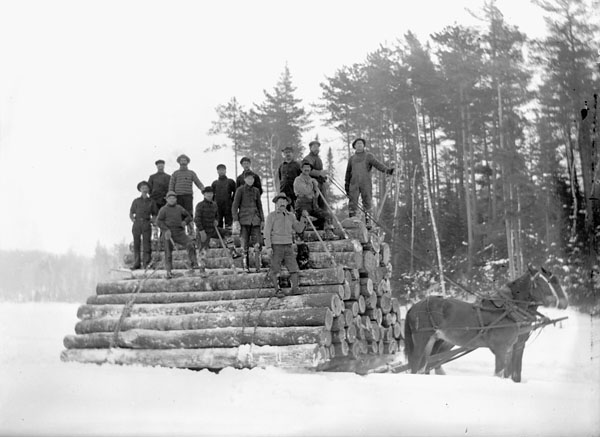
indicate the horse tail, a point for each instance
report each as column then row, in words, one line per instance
column 409, row 345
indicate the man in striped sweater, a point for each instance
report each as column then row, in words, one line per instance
column 182, row 183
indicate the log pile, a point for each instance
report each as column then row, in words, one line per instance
column 226, row 318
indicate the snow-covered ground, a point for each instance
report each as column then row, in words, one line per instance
column 559, row 396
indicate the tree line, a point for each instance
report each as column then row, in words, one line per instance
column 497, row 129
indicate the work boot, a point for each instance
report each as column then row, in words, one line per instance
column 245, row 263
column 234, row 253
column 257, row 258
column 136, row 261
column 277, row 287
column 295, row 283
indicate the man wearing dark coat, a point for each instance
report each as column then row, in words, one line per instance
column 172, row 220
column 224, row 190
column 248, row 216
column 288, row 171
column 239, row 182
column 142, row 213
column 317, row 171
column 159, row 184
column 358, row 178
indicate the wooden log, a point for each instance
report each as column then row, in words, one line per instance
column 366, row 287
column 395, row 305
column 375, row 330
column 355, row 350
column 339, row 323
column 375, row 242
column 347, row 290
column 362, row 305
column 380, row 273
column 394, row 317
column 351, row 306
column 397, row 331
column 361, row 333
column 311, row 236
column 366, row 322
column 201, row 338
column 388, row 320
column 364, row 346
column 217, row 282
column 390, row 347
column 387, row 334
column 327, row 300
column 360, row 233
column 385, row 303
column 380, row 348
column 307, row 356
column 385, row 254
column 350, row 334
column 373, row 347
column 341, row 349
column 331, row 351
column 338, row 336
column 370, row 262
column 349, row 317
column 371, row 302
column 352, row 274
column 319, row 260
column 249, row 319
column 384, row 286
column 198, row 296
column 353, row 223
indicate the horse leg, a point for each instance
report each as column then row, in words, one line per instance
column 501, row 355
column 441, row 347
column 517, row 361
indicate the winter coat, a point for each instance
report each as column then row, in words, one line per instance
column 247, row 207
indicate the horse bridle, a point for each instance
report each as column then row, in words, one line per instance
column 550, row 286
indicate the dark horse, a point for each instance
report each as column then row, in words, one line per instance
column 436, row 324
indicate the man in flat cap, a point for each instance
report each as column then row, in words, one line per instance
column 317, row 172
column 288, row 171
column 248, row 216
column 224, row 190
column 159, row 184
column 307, row 193
column 142, row 213
column 172, row 220
column 358, row 178
column 280, row 227
column 182, row 183
column 206, row 220
column 245, row 162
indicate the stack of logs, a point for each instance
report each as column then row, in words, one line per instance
column 225, row 317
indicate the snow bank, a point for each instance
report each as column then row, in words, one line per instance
column 40, row 395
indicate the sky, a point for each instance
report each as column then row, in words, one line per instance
column 93, row 92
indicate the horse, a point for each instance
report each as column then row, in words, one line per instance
column 515, row 362
column 436, row 324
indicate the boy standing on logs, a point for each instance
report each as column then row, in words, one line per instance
column 182, row 183
column 206, row 220
column 307, row 193
column 224, row 190
column 142, row 212
column 245, row 162
column 279, row 236
column 288, row 171
column 358, row 178
column 248, row 217
column 172, row 220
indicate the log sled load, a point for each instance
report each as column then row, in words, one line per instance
column 343, row 317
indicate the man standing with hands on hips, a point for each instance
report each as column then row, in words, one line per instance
column 279, row 237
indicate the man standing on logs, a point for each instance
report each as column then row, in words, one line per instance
column 307, row 193
column 172, row 220
column 358, row 178
column 182, row 183
column 248, row 217
column 142, row 212
column 245, row 162
column 317, row 171
column 224, row 190
column 279, row 236
column 159, row 184
column 287, row 173
column 207, row 225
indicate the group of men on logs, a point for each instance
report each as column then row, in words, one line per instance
column 235, row 207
